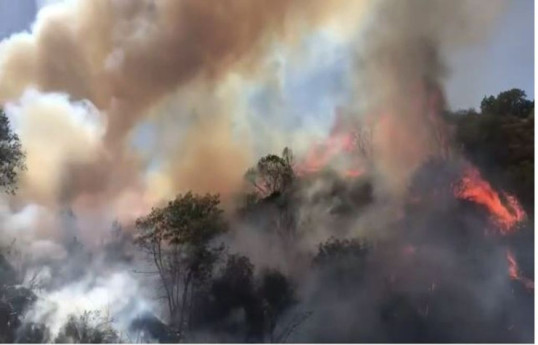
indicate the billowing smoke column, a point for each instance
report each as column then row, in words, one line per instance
column 91, row 72
column 124, row 57
column 399, row 77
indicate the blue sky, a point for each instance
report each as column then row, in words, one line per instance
column 504, row 61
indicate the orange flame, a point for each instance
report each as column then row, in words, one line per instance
column 514, row 273
column 472, row 187
column 321, row 154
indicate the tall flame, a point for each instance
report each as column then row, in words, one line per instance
column 322, row 154
column 473, row 188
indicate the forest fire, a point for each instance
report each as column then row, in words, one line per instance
column 473, row 188
column 142, row 199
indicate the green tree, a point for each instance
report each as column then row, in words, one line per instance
column 11, row 156
column 512, row 102
column 501, row 144
column 177, row 238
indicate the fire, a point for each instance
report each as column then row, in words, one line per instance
column 322, row 154
column 472, row 187
column 514, row 273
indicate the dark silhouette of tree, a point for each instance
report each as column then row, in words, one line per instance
column 273, row 174
column 177, row 239
column 513, row 102
column 249, row 307
column 335, row 250
column 88, row 328
column 273, row 180
column 277, row 296
column 233, row 291
column 342, row 261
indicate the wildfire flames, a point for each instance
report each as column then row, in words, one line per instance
column 322, row 154
column 514, row 273
column 504, row 209
column 473, row 188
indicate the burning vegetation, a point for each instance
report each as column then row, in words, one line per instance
column 507, row 215
column 402, row 224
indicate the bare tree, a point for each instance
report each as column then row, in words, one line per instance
column 363, row 140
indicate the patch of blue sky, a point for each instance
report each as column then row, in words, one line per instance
column 302, row 95
column 503, row 61
column 143, row 141
column 312, row 83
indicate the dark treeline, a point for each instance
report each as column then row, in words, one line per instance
column 430, row 281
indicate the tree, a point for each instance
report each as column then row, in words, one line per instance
column 501, row 144
column 11, row 156
column 342, row 261
column 177, row 238
column 88, row 328
column 233, row 290
column 273, row 179
column 249, row 307
column 273, row 174
column 512, row 102
column 335, row 250
column 277, row 296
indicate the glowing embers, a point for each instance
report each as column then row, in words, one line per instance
column 514, row 272
column 506, row 215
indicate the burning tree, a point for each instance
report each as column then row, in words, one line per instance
column 177, row 238
column 273, row 179
column 273, row 174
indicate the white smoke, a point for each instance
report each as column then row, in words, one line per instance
column 116, row 295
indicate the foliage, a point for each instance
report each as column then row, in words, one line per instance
column 242, row 303
column 342, row 262
column 500, row 141
column 273, row 174
column 234, row 288
column 11, row 156
column 272, row 201
column 513, row 102
column 177, row 238
column 88, row 328
column 277, row 296
column 337, row 250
